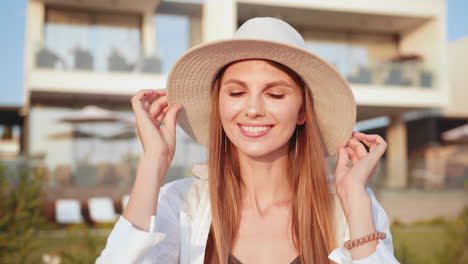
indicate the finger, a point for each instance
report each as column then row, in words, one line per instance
column 376, row 149
column 363, row 135
column 144, row 92
column 352, row 155
column 376, row 143
column 159, row 119
column 148, row 92
column 369, row 140
column 377, row 146
column 358, row 147
column 171, row 117
column 377, row 153
column 169, row 129
column 156, row 107
column 137, row 105
column 342, row 162
column 156, row 95
column 148, row 100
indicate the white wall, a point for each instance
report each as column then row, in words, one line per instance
column 94, row 82
column 395, row 7
column 457, row 57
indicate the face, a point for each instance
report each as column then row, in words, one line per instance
column 260, row 106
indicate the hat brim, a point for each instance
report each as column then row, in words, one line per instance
column 190, row 79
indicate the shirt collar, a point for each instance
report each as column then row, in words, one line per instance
column 200, row 170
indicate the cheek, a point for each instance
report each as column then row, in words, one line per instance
column 285, row 112
column 228, row 109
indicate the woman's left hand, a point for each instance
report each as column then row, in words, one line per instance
column 351, row 182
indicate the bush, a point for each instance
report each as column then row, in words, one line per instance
column 22, row 214
column 433, row 221
column 455, row 249
column 25, row 234
column 432, row 241
column 86, row 248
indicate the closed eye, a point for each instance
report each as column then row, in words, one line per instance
column 274, row 96
column 277, row 96
column 236, row 94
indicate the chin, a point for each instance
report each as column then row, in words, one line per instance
column 259, row 151
column 255, row 153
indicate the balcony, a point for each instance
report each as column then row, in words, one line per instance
column 371, row 59
column 87, row 72
column 88, row 82
column 386, row 80
column 93, row 52
column 413, row 74
column 82, row 59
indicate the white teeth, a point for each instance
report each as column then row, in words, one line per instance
column 255, row 129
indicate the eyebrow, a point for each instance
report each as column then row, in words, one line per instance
column 268, row 85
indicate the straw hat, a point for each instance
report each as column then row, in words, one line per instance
column 190, row 79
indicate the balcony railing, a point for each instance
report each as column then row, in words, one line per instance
column 372, row 60
column 84, row 60
column 401, row 74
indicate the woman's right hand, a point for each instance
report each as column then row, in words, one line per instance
column 151, row 111
column 158, row 141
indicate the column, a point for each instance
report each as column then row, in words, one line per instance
column 219, row 19
column 195, row 31
column 24, row 136
column 148, row 32
column 397, row 157
column 33, row 42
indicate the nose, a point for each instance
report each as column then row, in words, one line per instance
column 255, row 106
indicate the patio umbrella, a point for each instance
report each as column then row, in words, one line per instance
column 74, row 136
column 91, row 115
column 122, row 135
column 125, row 135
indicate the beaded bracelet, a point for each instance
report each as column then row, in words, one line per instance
column 357, row 242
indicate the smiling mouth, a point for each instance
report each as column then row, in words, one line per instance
column 255, row 131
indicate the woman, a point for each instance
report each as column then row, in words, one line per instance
column 269, row 112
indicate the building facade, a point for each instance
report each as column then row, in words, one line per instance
column 80, row 53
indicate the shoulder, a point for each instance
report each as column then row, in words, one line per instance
column 184, row 194
column 177, row 186
column 177, row 190
column 181, row 186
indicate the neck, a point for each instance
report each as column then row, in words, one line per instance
column 266, row 183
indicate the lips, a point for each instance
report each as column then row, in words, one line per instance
column 255, row 130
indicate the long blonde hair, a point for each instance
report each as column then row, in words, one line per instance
column 312, row 203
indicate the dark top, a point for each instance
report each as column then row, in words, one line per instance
column 234, row 260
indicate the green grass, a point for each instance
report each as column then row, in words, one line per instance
column 418, row 244
column 432, row 241
column 73, row 246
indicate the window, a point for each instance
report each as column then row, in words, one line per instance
column 85, row 40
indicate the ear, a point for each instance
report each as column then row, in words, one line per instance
column 301, row 117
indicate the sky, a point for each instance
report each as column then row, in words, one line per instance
column 12, row 20
column 12, row 26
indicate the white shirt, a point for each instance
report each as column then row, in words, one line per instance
column 179, row 231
